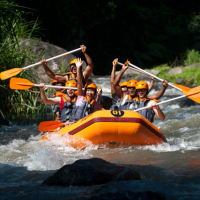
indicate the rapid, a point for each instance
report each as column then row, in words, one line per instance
column 172, row 169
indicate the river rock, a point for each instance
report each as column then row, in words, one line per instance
column 179, row 80
column 127, row 195
column 4, row 122
column 155, row 71
column 92, row 171
column 186, row 103
column 43, row 50
column 174, row 71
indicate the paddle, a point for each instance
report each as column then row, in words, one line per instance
column 51, row 125
column 24, row 84
column 192, row 94
column 13, row 72
column 178, row 87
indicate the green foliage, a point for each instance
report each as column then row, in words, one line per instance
column 192, row 57
column 20, row 105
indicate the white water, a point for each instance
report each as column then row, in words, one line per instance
column 23, row 156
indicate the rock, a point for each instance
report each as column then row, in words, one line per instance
column 144, row 195
column 185, row 103
column 105, row 101
column 155, row 71
column 4, row 122
column 179, row 80
column 43, row 50
column 91, row 172
column 174, row 71
column 190, row 66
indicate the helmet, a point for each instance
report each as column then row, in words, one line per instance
column 54, row 82
column 73, row 61
column 91, row 85
column 132, row 83
column 71, row 84
column 123, row 84
column 142, row 85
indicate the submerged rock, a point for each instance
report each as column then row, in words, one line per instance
column 144, row 195
column 186, row 103
column 91, row 172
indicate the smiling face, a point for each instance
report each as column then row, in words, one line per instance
column 70, row 93
column 132, row 91
column 73, row 68
column 142, row 93
column 90, row 92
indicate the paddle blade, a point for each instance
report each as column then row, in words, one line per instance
column 194, row 94
column 10, row 73
column 183, row 88
column 20, row 84
column 49, row 125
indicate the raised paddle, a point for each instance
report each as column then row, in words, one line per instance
column 24, row 84
column 178, row 87
column 193, row 94
column 51, row 125
column 13, row 72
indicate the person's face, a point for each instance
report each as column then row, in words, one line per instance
column 58, row 84
column 142, row 93
column 70, row 93
column 124, row 89
column 132, row 91
column 73, row 68
column 90, row 93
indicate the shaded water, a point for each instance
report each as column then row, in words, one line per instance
column 172, row 169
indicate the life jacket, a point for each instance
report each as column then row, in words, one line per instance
column 66, row 111
column 86, row 108
column 72, row 77
column 140, row 103
column 56, row 107
column 125, row 106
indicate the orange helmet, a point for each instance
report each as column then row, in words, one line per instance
column 71, row 84
column 91, row 85
column 123, row 84
column 132, row 83
column 142, row 85
column 73, row 61
column 54, row 82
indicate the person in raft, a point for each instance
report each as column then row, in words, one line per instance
column 73, row 74
column 65, row 100
column 56, row 107
column 123, row 85
column 142, row 101
column 125, row 98
column 85, row 104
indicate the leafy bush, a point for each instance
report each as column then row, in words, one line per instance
column 17, row 104
column 192, row 57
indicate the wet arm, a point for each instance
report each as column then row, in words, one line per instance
column 112, row 77
column 57, row 77
column 89, row 68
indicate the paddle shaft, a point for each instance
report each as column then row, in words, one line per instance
column 55, row 57
column 147, row 73
column 137, row 70
column 157, row 104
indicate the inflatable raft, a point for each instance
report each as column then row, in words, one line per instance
column 110, row 126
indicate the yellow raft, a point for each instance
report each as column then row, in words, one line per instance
column 110, row 126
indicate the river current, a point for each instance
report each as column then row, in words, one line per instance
column 172, row 169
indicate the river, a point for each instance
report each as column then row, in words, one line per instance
column 172, row 169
